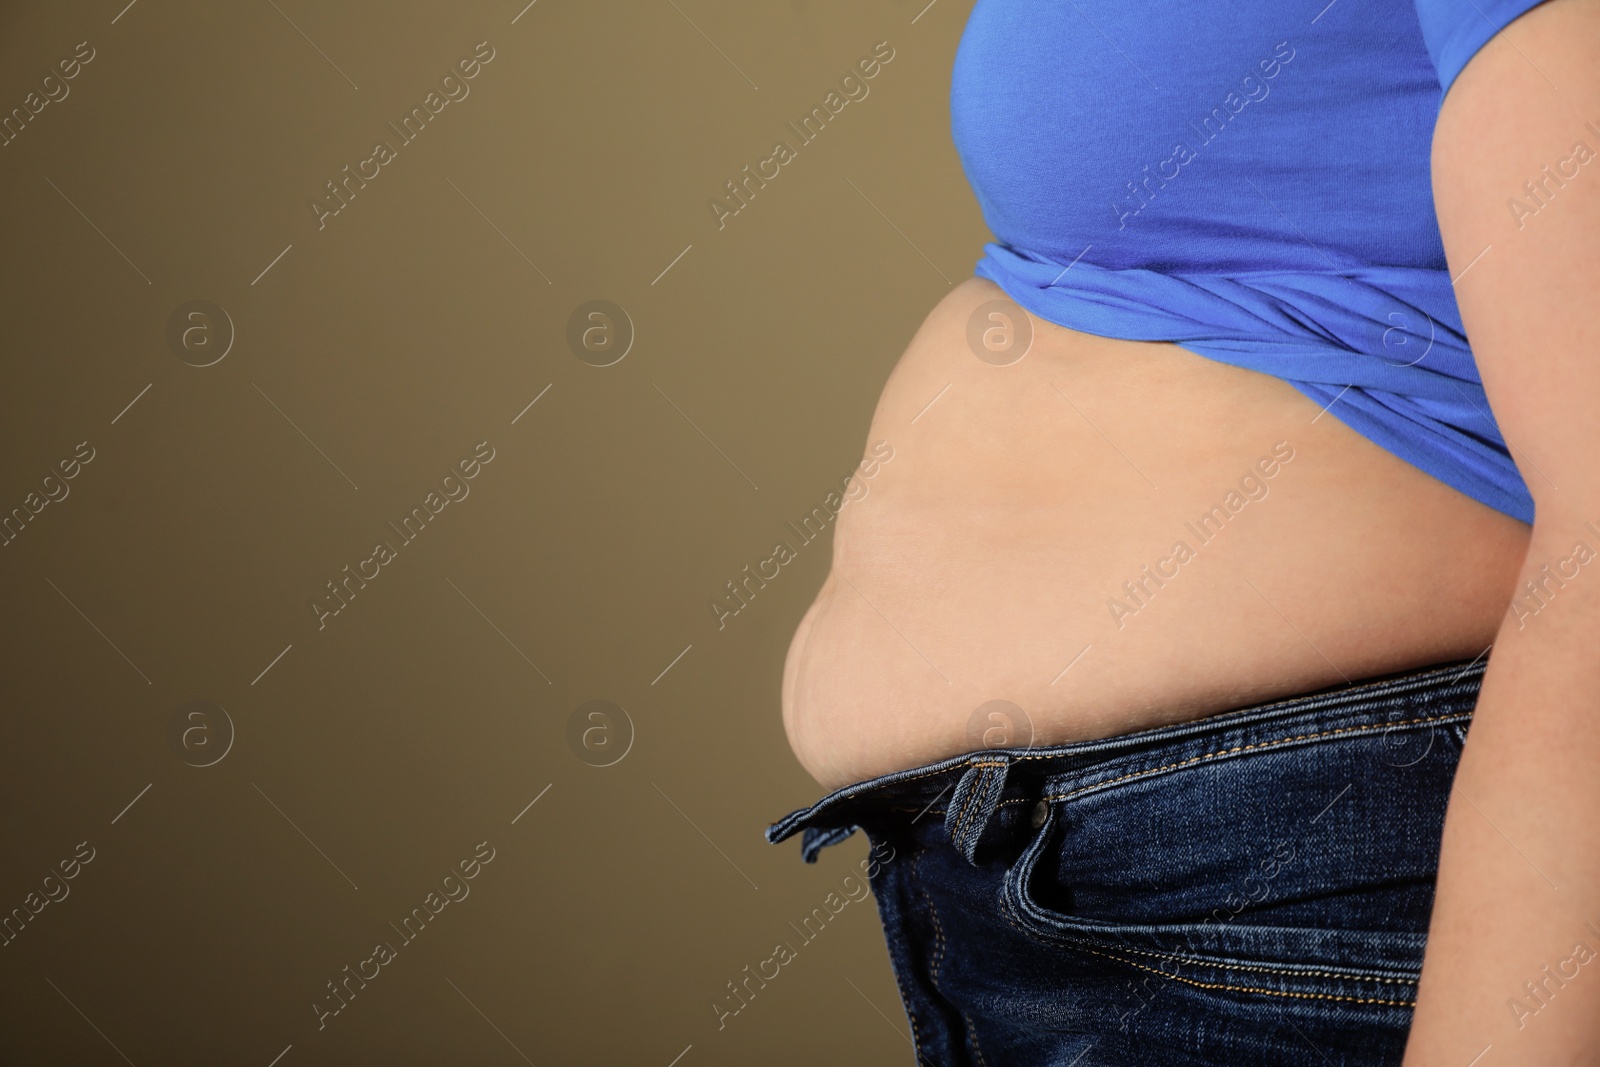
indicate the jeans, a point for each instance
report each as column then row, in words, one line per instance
column 1250, row 888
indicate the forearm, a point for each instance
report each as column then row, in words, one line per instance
column 1513, row 957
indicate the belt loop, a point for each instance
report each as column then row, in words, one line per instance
column 974, row 802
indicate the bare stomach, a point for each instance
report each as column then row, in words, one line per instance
column 1106, row 536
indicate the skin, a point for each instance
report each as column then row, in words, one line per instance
column 1519, row 876
column 982, row 559
column 1018, row 501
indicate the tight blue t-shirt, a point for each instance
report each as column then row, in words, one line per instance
column 1247, row 179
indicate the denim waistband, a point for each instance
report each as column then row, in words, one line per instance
column 1400, row 711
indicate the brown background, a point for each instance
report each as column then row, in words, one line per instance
column 378, row 751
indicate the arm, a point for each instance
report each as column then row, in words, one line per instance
column 1519, row 873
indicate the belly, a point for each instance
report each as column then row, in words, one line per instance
column 1106, row 536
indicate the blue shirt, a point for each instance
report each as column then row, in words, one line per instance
column 1247, row 179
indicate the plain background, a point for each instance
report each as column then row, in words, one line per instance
column 375, row 752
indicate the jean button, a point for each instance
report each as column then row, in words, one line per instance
column 1041, row 811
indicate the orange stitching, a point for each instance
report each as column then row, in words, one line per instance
column 1221, row 966
column 938, row 961
column 1005, row 914
column 916, row 1031
column 1005, row 911
column 932, row 773
column 1245, row 748
column 1251, row 989
column 1289, row 703
column 1220, row 719
column 938, row 932
column 973, row 792
column 972, row 1039
column 916, row 876
column 1448, row 716
column 955, row 830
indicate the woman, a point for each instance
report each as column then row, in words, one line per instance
column 1152, row 651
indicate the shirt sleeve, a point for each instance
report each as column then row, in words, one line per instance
column 1454, row 30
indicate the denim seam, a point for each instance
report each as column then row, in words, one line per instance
column 1349, row 976
column 1429, row 682
column 1216, row 965
column 1213, row 985
column 938, row 934
column 1244, row 748
column 916, row 1031
column 1252, row 989
column 1335, row 699
column 1017, row 920
column 972, row 1039
column 971, row 793
column 938, row 959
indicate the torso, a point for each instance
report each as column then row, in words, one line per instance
column 985, row 558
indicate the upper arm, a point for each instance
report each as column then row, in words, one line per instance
column 1516, row 177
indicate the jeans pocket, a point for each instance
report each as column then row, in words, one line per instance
column 1252, row 951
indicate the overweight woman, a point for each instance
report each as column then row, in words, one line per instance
column 1216, row 662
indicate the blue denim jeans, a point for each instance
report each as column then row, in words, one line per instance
column 1250, row 888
